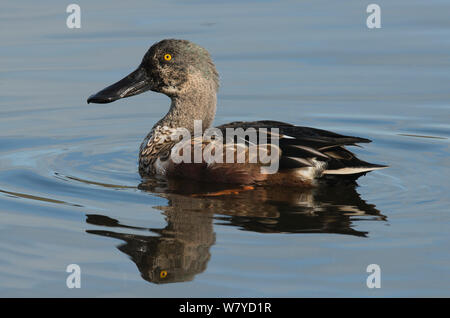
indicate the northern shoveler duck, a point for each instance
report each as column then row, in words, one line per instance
column 186, row 73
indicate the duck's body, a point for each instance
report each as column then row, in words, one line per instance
column 185, row 72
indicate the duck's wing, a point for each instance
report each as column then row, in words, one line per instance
column 301, row 154
column 303, row 147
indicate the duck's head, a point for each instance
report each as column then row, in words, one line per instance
column 172, row 67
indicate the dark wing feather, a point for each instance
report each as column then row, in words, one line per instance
column 299, row 145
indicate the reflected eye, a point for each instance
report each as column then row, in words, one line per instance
column 167, row 57
column 163, row 274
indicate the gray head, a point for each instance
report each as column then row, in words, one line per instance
column 172, row 67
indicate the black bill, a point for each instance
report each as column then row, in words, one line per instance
column 135, row 83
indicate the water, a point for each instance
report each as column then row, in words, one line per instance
column 70, row 192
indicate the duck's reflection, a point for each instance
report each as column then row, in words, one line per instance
column 178, row 253
column 181, row 249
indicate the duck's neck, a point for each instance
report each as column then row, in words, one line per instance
column 197, row 104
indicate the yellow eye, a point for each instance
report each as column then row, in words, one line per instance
column 167, row 57
column 163, row 274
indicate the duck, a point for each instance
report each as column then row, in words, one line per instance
column 186, row 73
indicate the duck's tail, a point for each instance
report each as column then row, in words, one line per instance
column 362, row 169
